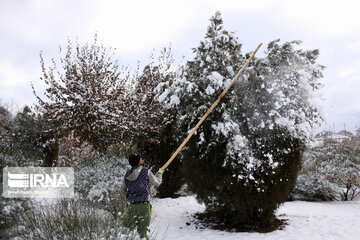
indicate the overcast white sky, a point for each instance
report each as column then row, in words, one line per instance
column 136, row 27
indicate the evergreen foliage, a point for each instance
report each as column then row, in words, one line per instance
column 28, row 138
column 5, row 117
column 244, row 159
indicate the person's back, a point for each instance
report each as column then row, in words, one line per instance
column 137, row 183
column 136, row 188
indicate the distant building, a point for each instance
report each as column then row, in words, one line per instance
column 327, row 135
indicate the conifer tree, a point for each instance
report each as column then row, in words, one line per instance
column 29, row 138
column 5, row 117
column 202, row 81
column 244, row 159
column 276, row 110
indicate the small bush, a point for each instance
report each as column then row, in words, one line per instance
column 69, row 219
column 331, row 171
column 100, row 180
column 10, row 209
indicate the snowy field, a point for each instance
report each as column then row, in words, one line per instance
column 306, row 220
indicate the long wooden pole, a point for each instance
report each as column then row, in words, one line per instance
column 210, row 109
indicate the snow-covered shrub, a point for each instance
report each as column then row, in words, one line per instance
column 244, row 159
column 331, row 171
column 69, row 219
column 27, row 138
column 99, row 181
column 312, row 184
column 97, row 100
column 85, row 94
column 10, row 211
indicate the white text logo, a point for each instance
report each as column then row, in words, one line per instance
column 36, row 182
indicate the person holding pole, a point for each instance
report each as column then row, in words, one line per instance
column 137, row 180
column 136, row 189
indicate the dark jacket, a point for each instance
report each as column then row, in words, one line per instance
column 136, row 184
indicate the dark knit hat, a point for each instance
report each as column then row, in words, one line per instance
column 134, row 160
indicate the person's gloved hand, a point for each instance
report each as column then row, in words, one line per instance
column 161, row 171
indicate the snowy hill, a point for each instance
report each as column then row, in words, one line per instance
column 173, row 219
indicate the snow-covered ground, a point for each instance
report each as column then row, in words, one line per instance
column 306, row 220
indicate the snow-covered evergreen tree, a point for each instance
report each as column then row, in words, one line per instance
column 285, row 86
column 244, row 159
column 203, row 79
column 277, row 99
column 201, row 82
column 5, row 117
column 276, row 110
column 28, row 138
